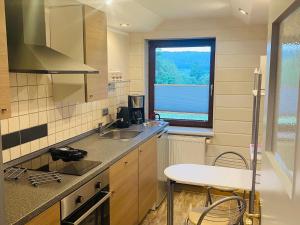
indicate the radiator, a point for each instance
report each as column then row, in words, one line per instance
column 187, row 149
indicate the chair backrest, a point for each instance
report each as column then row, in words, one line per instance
column 232, row 160
column 229, row 210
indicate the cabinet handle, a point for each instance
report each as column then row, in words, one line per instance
column 91, row 96
column 126, row 163
column 3, row 110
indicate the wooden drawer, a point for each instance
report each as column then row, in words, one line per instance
column 147, row 176
column 124, row 185
column 49, row 217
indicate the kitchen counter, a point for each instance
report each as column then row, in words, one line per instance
column 23, row 201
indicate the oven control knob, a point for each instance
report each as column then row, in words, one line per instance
column 98, row 185
column 79, row 199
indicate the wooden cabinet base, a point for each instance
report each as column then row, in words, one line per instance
column 124, row 185
column 49, row 217
column 147, row 177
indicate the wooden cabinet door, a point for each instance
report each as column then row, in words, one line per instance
column 49, row 217
column 147, row 176
column 123, row 177
column 95, row 30
column 4, row 74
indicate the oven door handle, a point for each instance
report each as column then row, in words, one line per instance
column 92, row 209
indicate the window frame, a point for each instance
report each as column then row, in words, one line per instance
column 197, row 42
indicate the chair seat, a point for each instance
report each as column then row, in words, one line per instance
column 195, row 214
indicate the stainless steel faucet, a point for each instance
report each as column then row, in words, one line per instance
column 101, row 128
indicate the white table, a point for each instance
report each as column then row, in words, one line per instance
column 203, row 175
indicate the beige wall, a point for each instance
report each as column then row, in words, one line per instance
column 118, row 55
column 33, row 104
column 238, row 49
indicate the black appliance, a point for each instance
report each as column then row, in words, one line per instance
column 136, row 104
column 67, row 154
column 58, row 160
column 88, row 205
column 123, row 116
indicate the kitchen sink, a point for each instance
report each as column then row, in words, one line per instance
column 120, row 134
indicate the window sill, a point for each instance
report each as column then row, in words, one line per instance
column 206, row 132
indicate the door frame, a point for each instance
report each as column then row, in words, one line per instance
column 270, row 101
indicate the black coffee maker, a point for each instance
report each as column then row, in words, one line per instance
column 136, row 105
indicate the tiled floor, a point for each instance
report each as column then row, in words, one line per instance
column 183, row 201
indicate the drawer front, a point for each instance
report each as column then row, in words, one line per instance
column 49, row 217
column 147, row 176
column 124, row 185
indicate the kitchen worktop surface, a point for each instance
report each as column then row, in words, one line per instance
column 23, row 201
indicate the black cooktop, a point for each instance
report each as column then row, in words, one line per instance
column 46, row 163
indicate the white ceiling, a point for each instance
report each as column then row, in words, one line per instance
column 145, row 15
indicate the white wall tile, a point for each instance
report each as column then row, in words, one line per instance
column 42, row 104
column 42, row 91
column 22, row 93
column 13, row 80
column 14, row 109
column 58, row 125
column 33, row 119
column 43, row 142
column 24, row 122
column 22, row 79
column 32, row 92
column 33, row 106
column 4, row 126
column 32, row 79
column 51, row 128
column 25, row 149
column 13, row 124
column 15, row 152
column 14, row 94
column 58, row 114
column 6, row 155
column 23, row 107
column 51, row 139
column 35, row 145
column 50, row 103
column 51, row 115
column 43, row 117
column 65, row 112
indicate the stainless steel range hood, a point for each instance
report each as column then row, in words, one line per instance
column 26, row 38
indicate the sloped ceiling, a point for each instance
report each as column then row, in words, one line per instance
column 145, row 15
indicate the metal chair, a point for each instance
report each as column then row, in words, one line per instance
column 227, row 211
column 232, row 160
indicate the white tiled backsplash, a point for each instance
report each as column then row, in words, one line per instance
column 32, row 104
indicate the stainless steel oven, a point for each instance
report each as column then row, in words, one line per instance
column 89, row 205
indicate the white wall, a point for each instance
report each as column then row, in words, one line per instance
column 118, row 54
column 238, row 49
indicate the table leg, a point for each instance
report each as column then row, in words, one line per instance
column 170, row 202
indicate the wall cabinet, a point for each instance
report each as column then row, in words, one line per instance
column 4, row 74
column 49, row 217
column 147, row 176
column 89, row 36
column 95, row 37
column 124, row 185
column 133, row 183
column 66, row 37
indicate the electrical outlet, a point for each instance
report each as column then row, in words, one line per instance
column 105, row 112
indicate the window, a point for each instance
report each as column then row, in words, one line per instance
column 181, row 77
column 286, row 117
